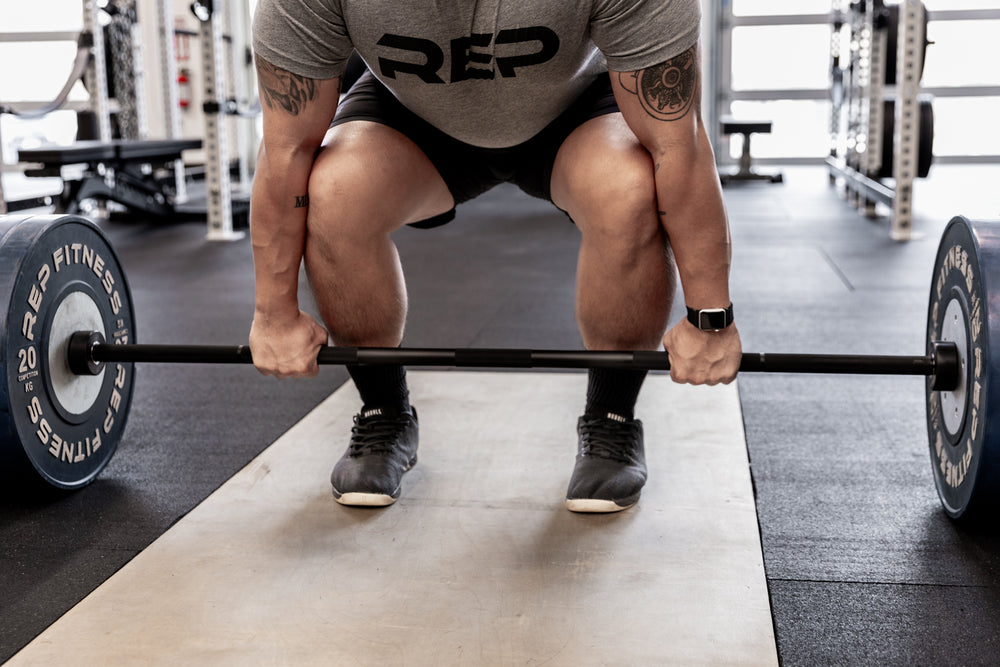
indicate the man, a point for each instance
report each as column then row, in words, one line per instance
column 591, row 104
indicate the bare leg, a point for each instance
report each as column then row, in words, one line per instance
column 368, row 181
column 603, row 178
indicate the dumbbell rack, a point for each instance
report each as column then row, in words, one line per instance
column 857, row 118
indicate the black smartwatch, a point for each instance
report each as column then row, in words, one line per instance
column 711, row 319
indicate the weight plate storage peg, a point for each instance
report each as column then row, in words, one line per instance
column 962, row 424
column 59, row 275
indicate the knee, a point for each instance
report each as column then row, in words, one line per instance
column 328, row 183
column 335, row 201
column 616, row 201
column 323, row 182
column 332, row 233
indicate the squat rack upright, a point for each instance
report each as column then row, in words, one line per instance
column 857, row 114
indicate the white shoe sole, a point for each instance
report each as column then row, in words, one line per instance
column 364, row 499
column 594, row 506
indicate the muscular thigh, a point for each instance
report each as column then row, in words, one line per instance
column 602, row 172
column 370, row 175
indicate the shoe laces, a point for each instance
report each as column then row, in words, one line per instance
column 609, row 438
column 376, row 434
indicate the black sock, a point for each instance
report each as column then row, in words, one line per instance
column 613, row 390
column 381, row 386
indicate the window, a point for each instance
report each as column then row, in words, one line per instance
column 761, row 57
column 779, row 7
column 942, row 5
column 781, row 49
column 964, row 53
column 47, row 16
column 50, row 65
column 798, row 129
column 961, row 126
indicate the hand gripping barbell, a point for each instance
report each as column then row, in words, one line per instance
column 68, row 351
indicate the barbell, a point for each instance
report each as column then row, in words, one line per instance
column 68, row 349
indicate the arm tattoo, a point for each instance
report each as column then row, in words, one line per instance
column 669, row 90
column 302, row 201
column 281, row 88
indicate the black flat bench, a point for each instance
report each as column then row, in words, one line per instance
column 122, row 171
column 746, row 128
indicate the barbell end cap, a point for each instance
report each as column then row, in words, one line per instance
column 947, row 366
column 80, row 352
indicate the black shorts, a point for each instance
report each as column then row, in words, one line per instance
column 468, row 170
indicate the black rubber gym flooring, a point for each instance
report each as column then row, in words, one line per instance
column 863, row 567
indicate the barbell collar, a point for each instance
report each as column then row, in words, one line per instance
column 80, row 350
column 947, row 366
column 942, row 364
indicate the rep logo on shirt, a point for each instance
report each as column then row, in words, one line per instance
column 427, row 58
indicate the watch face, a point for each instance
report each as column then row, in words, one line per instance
column 712, row 319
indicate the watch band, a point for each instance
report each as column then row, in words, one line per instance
column 711, row 319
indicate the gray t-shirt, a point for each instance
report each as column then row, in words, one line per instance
column 491, row 73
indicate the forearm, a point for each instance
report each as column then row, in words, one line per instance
column 297, row 112
column 694, row 216
column 660, row 104
column 278, row 208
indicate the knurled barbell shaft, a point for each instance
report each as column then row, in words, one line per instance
column 943, row 363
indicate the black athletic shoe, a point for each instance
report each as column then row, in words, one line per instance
column 610, row 466
column 383, row 447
